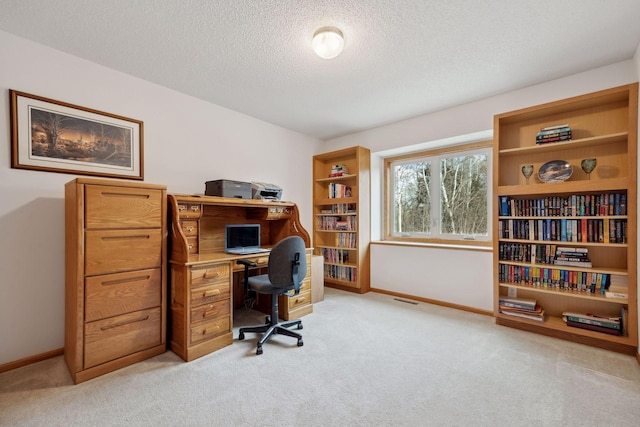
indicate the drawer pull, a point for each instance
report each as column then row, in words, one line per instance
column 120, row 281
column 190, row 228
column 142, row 236
column 139, row 196
column 195, row 208
column 117, row 325
column 210, row 313
column 209, row 330
column 190, row 246
column 209, row 275
column 182, row 208
column 301, row 299
column 211, row 293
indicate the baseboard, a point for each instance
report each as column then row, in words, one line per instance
column 31, row 359
column 435, row 302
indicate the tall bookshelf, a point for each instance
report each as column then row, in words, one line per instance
column 603, row 126
column 341, row 210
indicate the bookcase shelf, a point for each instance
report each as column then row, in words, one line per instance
column 345, row 251
column 603, row 126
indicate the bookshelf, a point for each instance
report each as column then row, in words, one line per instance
column 591, row 216
column 341, row 217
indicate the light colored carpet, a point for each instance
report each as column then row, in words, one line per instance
column 367, row 360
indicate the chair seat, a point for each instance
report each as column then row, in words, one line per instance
column 262, row 285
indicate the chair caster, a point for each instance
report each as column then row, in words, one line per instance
column 300, row 326
column 259, row 351
column 267, row 320
column 241, row 336
column 300, row 343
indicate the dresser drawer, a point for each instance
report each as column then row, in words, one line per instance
column 120, row 336
column 303, row 298
column 211, row 293
column 189, row 210
column 189, row 228
column 111, row 251
column 210, row 274
column 113, row 294
column 121, row 207
column 210, row 311
column 210, row 329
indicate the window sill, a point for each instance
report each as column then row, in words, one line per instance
column 485, row 247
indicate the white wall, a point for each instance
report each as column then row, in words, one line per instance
column 186, row 142
column 467, row 279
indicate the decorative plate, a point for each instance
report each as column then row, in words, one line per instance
column 555, row 171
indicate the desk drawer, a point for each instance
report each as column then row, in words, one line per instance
column 111, row 251
column 209, row 294
column 303, row 298
column 113, row 294
column 189, row 228
column 192, row 245
column 210, row 311
column 120, row 207
column 210, row 329
column 120, row 336
column 189, row 210
column 209, row 274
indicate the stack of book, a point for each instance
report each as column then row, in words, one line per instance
column 555, row 133
column 338, row 170
column 521, row 307
column 594, row 322
column 575, row 257
column 618, row 287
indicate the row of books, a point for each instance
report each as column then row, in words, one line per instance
column 329, row 223
column 544, row 254
column 347, row 240
column 338, row 169
column 339, row 272
column 340, row 208
column 339, row 191
column 557, row 133
column 556, row 278
column 340, row 256
column 521, row 307
column 607, row 204
column 605, row 230
column 613, row 325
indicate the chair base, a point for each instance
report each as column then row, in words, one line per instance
column 271, row 329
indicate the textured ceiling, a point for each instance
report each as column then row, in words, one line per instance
column 402, row 58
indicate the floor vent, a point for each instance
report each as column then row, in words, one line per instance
column 404, row 300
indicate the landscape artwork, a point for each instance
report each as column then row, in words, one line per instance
column 59, row 137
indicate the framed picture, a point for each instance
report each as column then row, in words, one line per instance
column 54, row 136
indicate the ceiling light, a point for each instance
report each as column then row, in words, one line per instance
column 327, row 42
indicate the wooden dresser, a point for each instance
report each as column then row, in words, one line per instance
column 115, row 293
column 206, row 283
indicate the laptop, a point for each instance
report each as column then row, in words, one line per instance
column 243, row 239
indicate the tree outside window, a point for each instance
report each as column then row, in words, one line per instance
column 439, row 196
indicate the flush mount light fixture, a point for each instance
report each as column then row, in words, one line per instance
column 328, row 42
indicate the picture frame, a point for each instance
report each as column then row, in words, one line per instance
column 55, row 136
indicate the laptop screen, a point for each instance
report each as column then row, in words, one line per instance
column 242, row 236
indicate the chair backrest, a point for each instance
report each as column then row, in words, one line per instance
column 280, row 261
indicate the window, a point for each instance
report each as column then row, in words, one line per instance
column 439, row 195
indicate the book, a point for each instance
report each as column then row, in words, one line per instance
column 506, row 301
column 610, row 294
column 593, row 327
column 539, row 318
column 593, row 319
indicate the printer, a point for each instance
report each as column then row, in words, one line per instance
column 264, row 191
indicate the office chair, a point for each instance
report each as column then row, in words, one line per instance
column 287, row 268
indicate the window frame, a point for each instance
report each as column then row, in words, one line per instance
column 437, row 238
